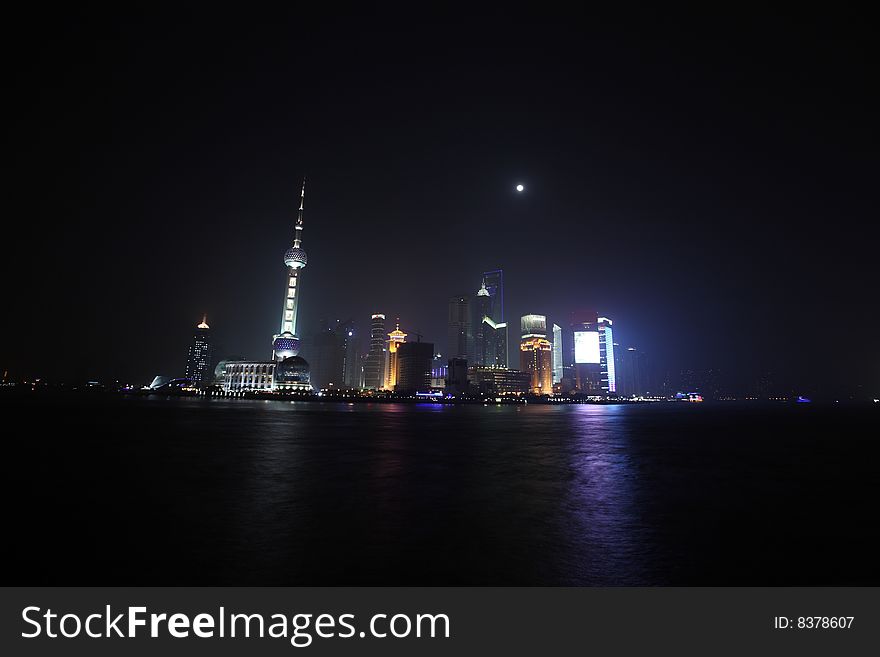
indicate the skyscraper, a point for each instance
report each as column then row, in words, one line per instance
column 635, row 372
column 375, row 361
column 490, row 336
column 607, row 368
column 352, row 366
column 395, row 339
column 333, row 355
column 414, row 367
column 459, row 327
column 198, row 362
column 584, row 352
column 557, row 354
column 535, row 353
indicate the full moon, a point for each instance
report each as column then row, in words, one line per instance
column 519, row 188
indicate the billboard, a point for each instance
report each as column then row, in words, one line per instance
column 586, row 346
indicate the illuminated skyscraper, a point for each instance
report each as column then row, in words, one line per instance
column 584, row 352
column 459, row 327
column 198, row 362
column 557, row 354
column 535, row 353
column 607, row 367
column 374, row 363
column 392, row 367
column 490, row 336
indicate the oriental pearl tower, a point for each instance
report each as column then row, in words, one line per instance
column 285, row 345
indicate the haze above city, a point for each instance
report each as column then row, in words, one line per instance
column 707, row 189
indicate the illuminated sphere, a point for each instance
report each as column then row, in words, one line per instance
column 285, row 345
column 295, row 257
column 519, row 188
column 292, row 370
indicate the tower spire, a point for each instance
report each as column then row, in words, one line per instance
column 299, row 217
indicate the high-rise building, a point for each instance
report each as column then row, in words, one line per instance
column 635, row 372
column 374, row 363
column 557, row 354
column 490, row 317
column 287, row 370
column 536, row 354
column 459, row 327
column 439, row 371
column 584, row 352
column 499, row 380
column 392, row 365
column 607, row 369
column 198, row 362
column 457, row 376
column 490, row 331
column 352, row 366
column 414, row 367
column 333, row 355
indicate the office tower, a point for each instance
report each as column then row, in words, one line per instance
column 536, row 353
column 414, row 367
column 635, row 373
column 584, row 352
column 395, row 339
column 490, row 332
column 499, row 381
column 286, row 343
column 607, row 369
column 490, row 322
column 557, row 354
column 334, row 355
column 459, row 327
column 198, row 362
column 374, row 363
column 439, row 370
column 619, row 374
column 352, row 365
column 457, row 376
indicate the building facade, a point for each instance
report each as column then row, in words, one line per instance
column 558, row 365
column 584, row 352
column 459, row 336
column 499, row 381
column 414, row 367
column 536, row 354
column 374, row 363
column 392, row 365
column 198, row 362
column 490, row 329
column 607, row 367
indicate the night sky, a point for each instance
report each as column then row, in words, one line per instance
column 710, row 184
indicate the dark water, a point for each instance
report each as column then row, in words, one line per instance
column 153, row 491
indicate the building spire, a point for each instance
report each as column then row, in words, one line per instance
column 299, row 217
column 204, row 323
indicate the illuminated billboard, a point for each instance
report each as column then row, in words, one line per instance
column 586, row 346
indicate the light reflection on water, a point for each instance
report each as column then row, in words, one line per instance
column 258, row 492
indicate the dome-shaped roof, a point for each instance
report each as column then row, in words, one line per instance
column 295, row 257
column 292, row 370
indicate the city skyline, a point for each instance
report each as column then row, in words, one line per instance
column 718, row 231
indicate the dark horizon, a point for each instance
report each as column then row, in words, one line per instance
column 707, row 185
